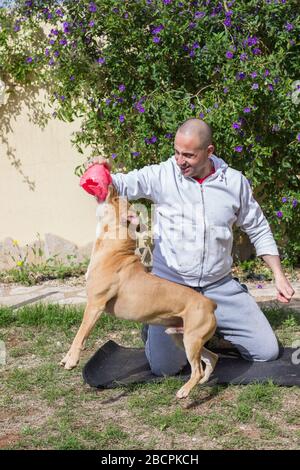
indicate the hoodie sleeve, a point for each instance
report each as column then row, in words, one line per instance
column 138, row 184
column 253, row 222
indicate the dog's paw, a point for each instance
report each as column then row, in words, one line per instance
column 183, row 392
column 68, row 362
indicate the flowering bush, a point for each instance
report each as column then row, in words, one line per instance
column 133, row 70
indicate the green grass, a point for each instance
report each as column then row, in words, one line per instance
column 47, row 407
column 31, row 274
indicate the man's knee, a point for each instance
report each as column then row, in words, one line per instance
column 164, row 357
column 164, row 365
column 163, row 370
column 269, row 354
column 264, row 352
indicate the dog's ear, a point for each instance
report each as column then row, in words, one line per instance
column 112, row 194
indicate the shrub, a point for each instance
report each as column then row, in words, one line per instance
column 134, row 70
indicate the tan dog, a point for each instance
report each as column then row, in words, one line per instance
column 118, row 283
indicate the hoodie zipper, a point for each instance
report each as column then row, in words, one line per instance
column 204, row 237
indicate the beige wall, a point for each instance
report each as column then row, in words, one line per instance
column 43, row 194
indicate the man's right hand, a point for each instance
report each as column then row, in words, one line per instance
column 97, row 160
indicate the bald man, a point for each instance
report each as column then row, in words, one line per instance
column 197, row 199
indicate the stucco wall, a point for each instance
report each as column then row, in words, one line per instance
column 39, row 192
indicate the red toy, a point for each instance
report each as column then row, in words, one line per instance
column 96, row 180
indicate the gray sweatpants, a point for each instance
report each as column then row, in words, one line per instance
column 239, row 320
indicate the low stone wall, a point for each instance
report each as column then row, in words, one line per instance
column 52, row 249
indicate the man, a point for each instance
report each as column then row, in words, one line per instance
column 198, row 198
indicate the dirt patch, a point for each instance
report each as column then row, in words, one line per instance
column 8, row 440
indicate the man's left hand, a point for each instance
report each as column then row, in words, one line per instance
column 285, row 290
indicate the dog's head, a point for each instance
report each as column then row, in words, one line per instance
column 124, row 212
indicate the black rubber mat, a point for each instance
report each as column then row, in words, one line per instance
column 114, row 365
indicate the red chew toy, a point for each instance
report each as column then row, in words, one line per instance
column 96, row 180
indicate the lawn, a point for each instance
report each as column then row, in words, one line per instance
column 44, row 406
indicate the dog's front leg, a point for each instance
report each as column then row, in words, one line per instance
column 90, row 317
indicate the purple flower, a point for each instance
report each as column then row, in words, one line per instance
column 247, row 109
column 279, row 214
column 240, row 75
column 113, row 155
column 238, row 148
column 66, row 27
column 229, row 55
column 157, row 29
column 201, row 115
column 135, row 154
column 91, row 24
column 122, row 87
column 256, row 51
column 289, row 26
column 255, row 86
column 72, row 78
column 107, row 101
column 270, row 86
column 29, row 60
column 47, row 52
column 227, row 22
column 243, row 57
column 259, row 286
column 199, row 14
column 167, row 2
column 252, row 40
column 169, row 135
column 226, row 89
column 121, row 118
column 140, row 108
column 156, row 39
column 253, row 74
column 266, row 72
column 235, row 125
column 152, row 140
column 59, row 12
column 298, row 137
column 294, row 203
column 284, row 199
column 63, row 42
column 93, row 7
column 101, row 60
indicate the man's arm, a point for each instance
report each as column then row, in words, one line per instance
column 136, row 184
column 253, row 222
column 285, row 290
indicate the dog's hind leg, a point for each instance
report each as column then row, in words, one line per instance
column 210, row 359
column 91, row 315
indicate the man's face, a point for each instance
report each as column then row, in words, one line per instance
column 190, row 155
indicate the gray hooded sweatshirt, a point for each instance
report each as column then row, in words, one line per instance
column 193, row 222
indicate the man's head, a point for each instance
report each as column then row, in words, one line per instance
column 193, row 146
